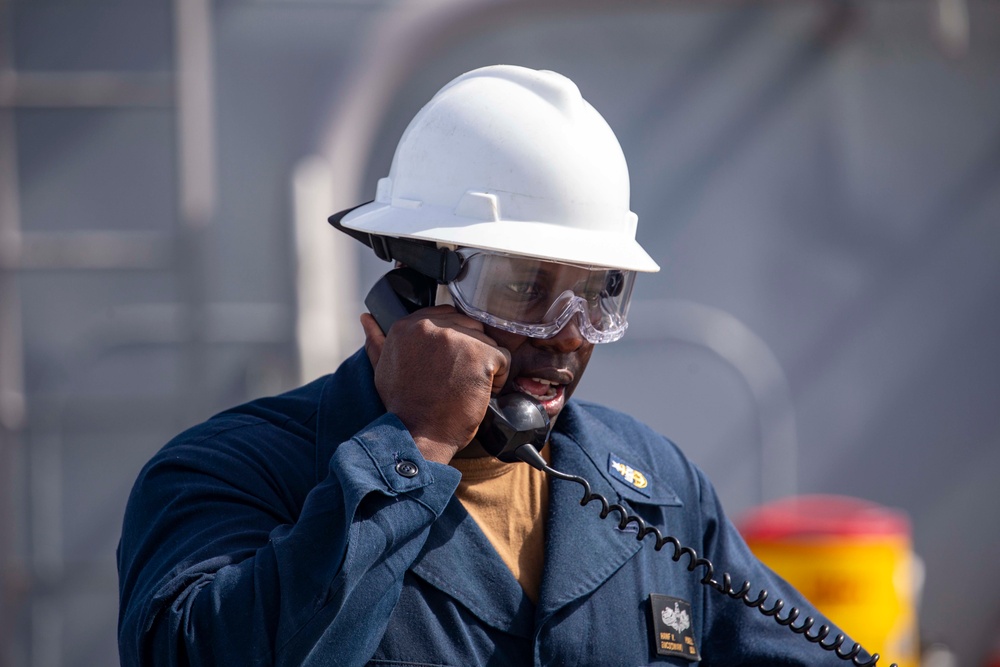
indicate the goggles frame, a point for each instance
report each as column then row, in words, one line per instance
column 609, row 309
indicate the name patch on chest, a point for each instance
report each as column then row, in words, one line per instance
column 673, row 631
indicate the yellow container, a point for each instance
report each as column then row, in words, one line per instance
column 852, row 559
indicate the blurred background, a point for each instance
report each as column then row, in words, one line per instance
column 820, row 181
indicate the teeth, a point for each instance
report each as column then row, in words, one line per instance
column 549, row 389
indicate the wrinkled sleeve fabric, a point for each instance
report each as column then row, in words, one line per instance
column 240, row 548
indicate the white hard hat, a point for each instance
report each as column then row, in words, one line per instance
column 514, row 160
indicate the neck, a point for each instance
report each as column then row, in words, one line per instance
column 472, row 451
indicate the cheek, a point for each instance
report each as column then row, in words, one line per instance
column 509, row 341
column 522, row 350
column 583, row 358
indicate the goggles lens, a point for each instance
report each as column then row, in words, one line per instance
column 537, row 298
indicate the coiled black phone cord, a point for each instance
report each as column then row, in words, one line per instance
column 725, row 587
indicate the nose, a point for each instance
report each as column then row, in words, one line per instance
column 568, row 339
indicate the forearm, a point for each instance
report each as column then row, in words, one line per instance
column 234, row 595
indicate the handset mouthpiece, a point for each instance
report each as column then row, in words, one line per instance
column 512, row 421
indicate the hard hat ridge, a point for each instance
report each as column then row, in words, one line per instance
column 511, row 159
column 557, row 89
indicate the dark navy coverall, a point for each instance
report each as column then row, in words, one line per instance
column 286, row 532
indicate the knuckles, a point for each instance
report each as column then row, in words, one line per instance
column 440, row 347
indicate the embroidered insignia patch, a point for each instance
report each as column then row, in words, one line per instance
column 672, row 631
column 627, row 473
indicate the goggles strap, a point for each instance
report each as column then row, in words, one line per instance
column 440, row 264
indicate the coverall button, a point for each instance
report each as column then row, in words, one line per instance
column 407, row 468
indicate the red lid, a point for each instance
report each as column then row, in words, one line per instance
column 821, row 516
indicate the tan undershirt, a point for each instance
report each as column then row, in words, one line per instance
column 509, row 502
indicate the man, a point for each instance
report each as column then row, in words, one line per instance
column 358, row 520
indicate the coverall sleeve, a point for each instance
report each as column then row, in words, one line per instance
column 740, row 635
column 237, row 552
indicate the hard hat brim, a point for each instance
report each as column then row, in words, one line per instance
column 520, row 237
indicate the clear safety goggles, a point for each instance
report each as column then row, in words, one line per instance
column 537, row 298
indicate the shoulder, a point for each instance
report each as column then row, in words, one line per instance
column 609, row 436
column 293, row 412
column 263, row 447
column 623, row 430
column 272, row 440
column 611, row 417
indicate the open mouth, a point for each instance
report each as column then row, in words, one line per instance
column 550, row 394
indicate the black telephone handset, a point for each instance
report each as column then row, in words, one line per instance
column 512, row 420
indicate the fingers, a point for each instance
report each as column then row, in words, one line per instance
column 374, row 338
column 501, row 372
column 441, row 316
column 497, row 366
column 436, row 371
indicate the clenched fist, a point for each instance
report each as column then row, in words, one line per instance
column 436, row 370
